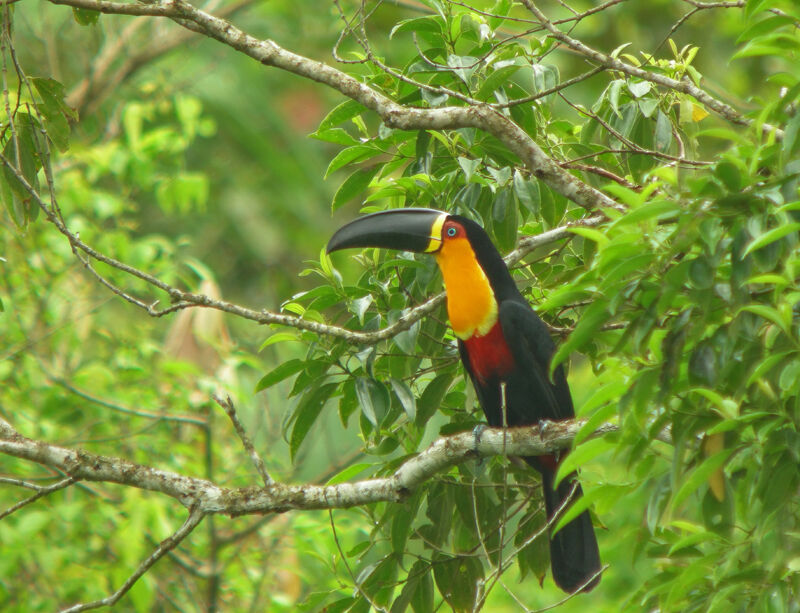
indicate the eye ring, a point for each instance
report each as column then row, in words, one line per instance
column 451, row 231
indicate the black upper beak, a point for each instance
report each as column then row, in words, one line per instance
column 418, row 230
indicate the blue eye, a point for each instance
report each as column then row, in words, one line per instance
column 451, row 231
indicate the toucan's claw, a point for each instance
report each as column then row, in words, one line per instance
column 477, row 431
column 544, row 426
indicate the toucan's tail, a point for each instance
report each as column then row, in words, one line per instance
column 574, row 556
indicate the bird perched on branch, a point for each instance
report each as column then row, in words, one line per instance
column 505, row 349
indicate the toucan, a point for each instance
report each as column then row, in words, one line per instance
column 505, row 348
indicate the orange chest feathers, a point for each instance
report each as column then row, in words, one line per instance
column 471, row 305
column 472, row 310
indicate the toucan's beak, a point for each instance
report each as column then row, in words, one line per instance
column 418, row 230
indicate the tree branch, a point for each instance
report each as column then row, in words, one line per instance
column 165, row 546
column 40, row 492
column 684, row 85
column 229, row 408
column 206, row 497
column 183, row 300
column 269, row 53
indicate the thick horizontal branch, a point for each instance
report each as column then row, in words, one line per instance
column 206, row 497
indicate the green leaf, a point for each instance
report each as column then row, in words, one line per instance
column 654, row 209
column 544, row 77
column 55, row 111
column 614, row 90
column 373, row 398
column 287, row 369
column 765, row 26
column 496, row 79
column 359, row 306
column 527, row 192
column 341, row 113
column 699, row 476
column 609, row 495
column 350, row 155
column 532, row 537
column 464, row 66
column 770, row 314
column 588, row 325
column 421, row 587
column 21, row 205
column 278, row 337
column 594, row 235
column 85, row 17
column 662, row 138
column 353, row 185
column 401, row 527
column 306, row 414
column 335, row 135
column 771, row 236
column 418, row 24
column 458, row 579
column 724, row 406
column 766, row 365
column 789, row 381
column 639, row 88
column 599, row 417
column 701, row 273
column 583, row 453
column 469, row 167
column 406, row 397
column 647, row 106
column 432, row 397
column 729, row 174
column 349, row 473
column 377, row 581
column 504, row 217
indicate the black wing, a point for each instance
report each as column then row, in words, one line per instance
column 531, row 396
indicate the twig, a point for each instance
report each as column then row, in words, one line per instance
column 20, row 483
column 603, row 172
column 230, row 410
column 169, row 543
column 6, row 429
column 552, row 90
column 184, row 419
column 40, row 492
column 353, row 578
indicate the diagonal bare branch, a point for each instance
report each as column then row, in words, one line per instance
column 227, row 405
column 195, row 517
column 40, row 492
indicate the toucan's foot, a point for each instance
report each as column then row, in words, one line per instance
column 477, row 431
column 544, row 426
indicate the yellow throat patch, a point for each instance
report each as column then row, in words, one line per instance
column 471, row 305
